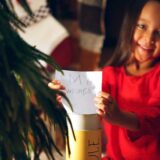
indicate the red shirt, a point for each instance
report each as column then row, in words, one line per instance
column 140, row 95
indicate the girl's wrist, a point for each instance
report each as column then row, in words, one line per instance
column 127, row 120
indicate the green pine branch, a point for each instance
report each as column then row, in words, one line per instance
column 22, row 128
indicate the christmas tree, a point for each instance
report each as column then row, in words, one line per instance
column 24, row 94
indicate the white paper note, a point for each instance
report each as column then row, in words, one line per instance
column 81, row 89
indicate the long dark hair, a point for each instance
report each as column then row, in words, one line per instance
column 122, row 52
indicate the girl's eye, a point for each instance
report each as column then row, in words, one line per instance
column 157, row 33
column 140, row 26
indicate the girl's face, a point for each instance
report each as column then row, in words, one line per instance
column 146, row 37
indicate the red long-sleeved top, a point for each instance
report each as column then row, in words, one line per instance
column 140, row 95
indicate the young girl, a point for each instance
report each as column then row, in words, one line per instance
column 130, row 99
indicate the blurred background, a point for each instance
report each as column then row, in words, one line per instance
column 78, row 34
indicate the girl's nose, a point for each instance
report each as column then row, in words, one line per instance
column 149, row 38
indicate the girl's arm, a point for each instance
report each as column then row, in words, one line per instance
column 107, row 108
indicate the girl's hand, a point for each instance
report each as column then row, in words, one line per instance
column 107, row 107
column 56, row 85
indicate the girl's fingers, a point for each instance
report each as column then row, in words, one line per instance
column 55, row 85
column 105, row 96
column 59, row 98
column 100, row 100
column 100, row 112
column 104, row 104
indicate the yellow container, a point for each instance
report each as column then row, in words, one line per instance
column 87, row 145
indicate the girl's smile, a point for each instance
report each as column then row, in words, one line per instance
column 145, row 52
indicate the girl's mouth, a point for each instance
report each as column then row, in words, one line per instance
column 146, row 49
